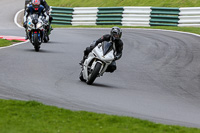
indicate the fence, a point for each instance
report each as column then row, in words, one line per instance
column 126, row 16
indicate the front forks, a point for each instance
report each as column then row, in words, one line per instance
column 40, row 36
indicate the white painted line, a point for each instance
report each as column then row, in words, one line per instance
column 16, row 16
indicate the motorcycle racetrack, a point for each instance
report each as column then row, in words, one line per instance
column 157, row 78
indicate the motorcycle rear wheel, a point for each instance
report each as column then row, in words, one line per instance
column 46, row 38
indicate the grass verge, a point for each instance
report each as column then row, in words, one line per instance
column 4, row 43
column 34, row 117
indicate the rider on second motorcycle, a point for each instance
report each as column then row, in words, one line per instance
column 115, row 38
column 35, row 8
column 47, row 8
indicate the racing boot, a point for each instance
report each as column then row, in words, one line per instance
column 26, row 37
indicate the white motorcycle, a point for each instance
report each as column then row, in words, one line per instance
column 97, row 62
column 36, row 30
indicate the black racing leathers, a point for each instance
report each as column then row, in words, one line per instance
column 46, row 6
column 118, row 45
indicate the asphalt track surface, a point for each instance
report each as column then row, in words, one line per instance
column 158, row 76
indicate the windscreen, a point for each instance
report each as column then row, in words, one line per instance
column 107, row 47
column 34, row 18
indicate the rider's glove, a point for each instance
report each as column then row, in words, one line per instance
column 116, row 58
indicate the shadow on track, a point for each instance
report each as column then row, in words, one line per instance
column 41, row 51
column 101, row 85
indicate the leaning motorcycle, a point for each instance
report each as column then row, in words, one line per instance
column 36, row 30
column 97, row 62
column 47, row 31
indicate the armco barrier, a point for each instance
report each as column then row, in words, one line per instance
column 84, row 16
column 189, row 16
column 136, row 16
column 161, row 16
column 109, row 15
column 61, row 15
column 126, row 16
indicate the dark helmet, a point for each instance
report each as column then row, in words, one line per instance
column 35, row 4
column 116, row 33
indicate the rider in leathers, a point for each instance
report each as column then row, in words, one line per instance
column 35, row 8
column 47, row 8
column 114, row 37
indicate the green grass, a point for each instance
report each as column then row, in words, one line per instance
column 34, row 117
column 4, row 42
column 111, row 3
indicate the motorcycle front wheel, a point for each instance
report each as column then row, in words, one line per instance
column 36, row 43
column 94, row 73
